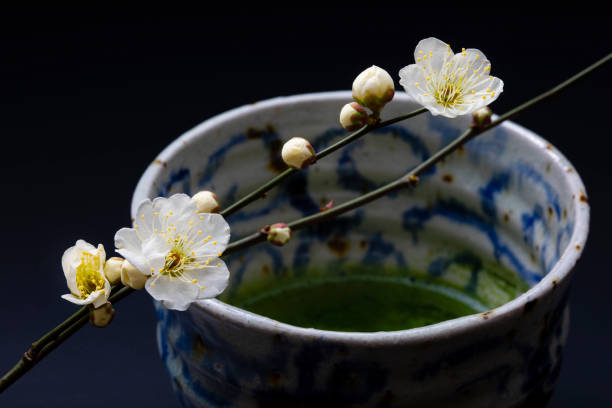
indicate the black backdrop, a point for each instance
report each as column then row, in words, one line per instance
column 86, row 103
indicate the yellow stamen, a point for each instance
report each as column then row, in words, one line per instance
column 88, row 276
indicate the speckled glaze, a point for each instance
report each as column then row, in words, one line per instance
column 508, row 197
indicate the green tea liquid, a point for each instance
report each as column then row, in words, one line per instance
column 362, row 304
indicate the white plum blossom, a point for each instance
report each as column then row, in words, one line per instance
column 177, row 249
column 83, row 266
column 449, row 84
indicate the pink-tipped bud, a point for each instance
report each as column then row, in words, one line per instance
column 298, row 153
column 373, row 88
column 278, row 234
column 207, row 202
column 353, row 116
column 327, row 206
column 481, row 117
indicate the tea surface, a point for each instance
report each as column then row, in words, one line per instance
column 362, row 304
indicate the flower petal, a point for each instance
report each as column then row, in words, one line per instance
column 412, row 78
column 85, row 246
column 213, row 279
column 145, row 220
column 154, row 250
column 178, row 291
column 177, row 207
column 102, row 254
column 213, row 225
column 181, row 306
column 68, row 259
column 432, row 53
column 129, row 245
column 97, row 298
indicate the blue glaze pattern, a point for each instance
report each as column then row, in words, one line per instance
column 502, row 199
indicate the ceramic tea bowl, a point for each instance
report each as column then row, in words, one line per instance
column 502, row 222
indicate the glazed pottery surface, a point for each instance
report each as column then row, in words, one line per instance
column 507, row 201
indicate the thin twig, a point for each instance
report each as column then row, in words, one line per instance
column 77, row 320
column 261, row 191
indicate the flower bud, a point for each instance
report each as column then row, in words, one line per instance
column 481, row 117
column 112, row 269
column 207, row 202
column 353, row 116
column 132, row 277
column 373, row 88
column 278, row 234
column 298, row 153
column 102, row 316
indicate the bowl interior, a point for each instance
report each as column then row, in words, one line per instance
column 482, row 227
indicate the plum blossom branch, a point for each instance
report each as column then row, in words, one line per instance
column 55, row 337
column 411, row 179
column 260, row 192
column 50, row 341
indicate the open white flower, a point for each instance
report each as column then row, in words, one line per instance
column 449, row 84
column 177, row 249
column 83, row 266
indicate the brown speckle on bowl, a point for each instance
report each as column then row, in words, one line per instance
column 160, row 163
column 338, row 245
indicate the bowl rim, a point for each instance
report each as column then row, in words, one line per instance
column 239, row 317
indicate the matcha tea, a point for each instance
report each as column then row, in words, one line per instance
column 362, row 304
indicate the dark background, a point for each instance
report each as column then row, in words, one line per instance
column 86, row 103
